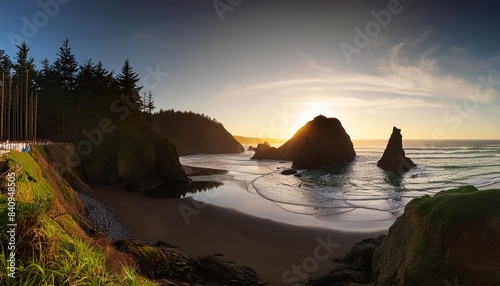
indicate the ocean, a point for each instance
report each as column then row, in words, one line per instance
column 355, row 194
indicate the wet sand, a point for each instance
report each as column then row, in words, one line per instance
column 269, row 247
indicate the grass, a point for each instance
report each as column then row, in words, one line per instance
column 462, row 204
column 52, row 248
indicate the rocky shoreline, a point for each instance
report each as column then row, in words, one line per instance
column 103, row 220
column 165, row 263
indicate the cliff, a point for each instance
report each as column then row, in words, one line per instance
column 55, row 243
column 63, row 237
column 319, row 142
column 125, row 157
column 452, row 237
column 193, row 133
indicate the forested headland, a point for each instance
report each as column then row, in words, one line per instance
column 194, row 133
column 80, row 103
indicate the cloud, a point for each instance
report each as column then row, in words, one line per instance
column 419, row 40
column 400, row 81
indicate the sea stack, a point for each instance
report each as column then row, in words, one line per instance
column 319, row 142
column 394, row 159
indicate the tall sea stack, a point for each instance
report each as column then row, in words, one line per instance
column 394, row 159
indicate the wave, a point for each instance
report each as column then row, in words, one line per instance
column 361, row 185
column 447, row 156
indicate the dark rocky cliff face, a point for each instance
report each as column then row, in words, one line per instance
column 320, row 142
column 394, row 158
column 453, row 236
column 130, row 159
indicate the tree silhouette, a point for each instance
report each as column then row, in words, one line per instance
column 65, row 67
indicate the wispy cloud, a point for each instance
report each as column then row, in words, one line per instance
column 400, row 81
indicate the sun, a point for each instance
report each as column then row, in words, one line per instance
column 307, row 112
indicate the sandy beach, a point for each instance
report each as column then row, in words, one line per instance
column 271, row 248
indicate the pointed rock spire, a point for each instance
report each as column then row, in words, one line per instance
column 394, row 159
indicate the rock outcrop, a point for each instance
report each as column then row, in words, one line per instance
column 394, row 159
column 451, row 237
column 320, row 142
column 355, row 267
column 131, row 159
column 170, row 265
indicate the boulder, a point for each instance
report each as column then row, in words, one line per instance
column 451, row 238
column 394, row 159
column 168, row 263
column 319, row 142
column 355, row 267
column 289, row 172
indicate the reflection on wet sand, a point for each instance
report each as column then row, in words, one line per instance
column 178, row 190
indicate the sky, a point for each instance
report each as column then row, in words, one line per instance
column 264, row 68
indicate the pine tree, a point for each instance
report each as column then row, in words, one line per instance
column 23, row 81
column 5, row 62
column 5, row 66
column 150, row 103
column 66, row 67
column 130, row 95
column 24, row 68
column 127, row 81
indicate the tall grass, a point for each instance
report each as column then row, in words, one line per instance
column 48, row 248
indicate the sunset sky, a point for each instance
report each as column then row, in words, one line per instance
column 263, row 68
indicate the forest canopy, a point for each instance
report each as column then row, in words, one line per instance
column 67, row 101
column 61, row 98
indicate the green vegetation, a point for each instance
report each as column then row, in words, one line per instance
column 62, row 98
column 458, row 205
column 193, row 133
column 52, row 246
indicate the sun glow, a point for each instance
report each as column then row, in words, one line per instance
column 307, row 112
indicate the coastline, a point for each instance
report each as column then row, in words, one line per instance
column 272, row 248
column 269, row 247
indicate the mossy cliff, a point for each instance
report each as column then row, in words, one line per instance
column 55, row 244
column 119, row 157
column 450, row 237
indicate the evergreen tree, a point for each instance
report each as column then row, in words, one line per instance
column 5, row 62
column 24, row 68
column 127, row 81
column 149, row 104
column 66, row 67
column 46, row 77
column 23, row 83
column 49, row 103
